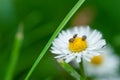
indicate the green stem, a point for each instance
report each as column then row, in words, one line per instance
column 14, row 55
column 82, row 70
column 60, row 27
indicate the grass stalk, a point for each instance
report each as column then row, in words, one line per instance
column 15, row 54
column 60, row 27
column 69, row 69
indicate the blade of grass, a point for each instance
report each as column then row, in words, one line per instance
column 63, row 23
column 69, row 69
column 15, row 54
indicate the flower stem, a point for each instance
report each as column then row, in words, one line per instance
column 15, row 54
column 82, row 70
column 63, row 23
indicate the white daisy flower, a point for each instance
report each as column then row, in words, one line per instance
column 102, row 65
column 76, row 43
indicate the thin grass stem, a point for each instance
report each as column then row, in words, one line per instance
column 69, row 69
column 60, row 27
column 15, row 54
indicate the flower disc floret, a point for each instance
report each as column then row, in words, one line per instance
column 97, row 60
column 77, row 45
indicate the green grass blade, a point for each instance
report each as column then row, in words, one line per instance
column 63, row 23
column 69, row 69
column 15, row 54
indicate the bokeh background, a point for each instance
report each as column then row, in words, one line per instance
column 40, row 19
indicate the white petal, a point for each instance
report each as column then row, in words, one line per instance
column 59, row 56
column 91, row 36
column 98, row 45
column 67, row 60
column 78, row 59
column 94, row 53
column 86, row 58
column 56, row 52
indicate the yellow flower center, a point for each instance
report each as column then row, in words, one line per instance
column 97, row 60
column 77, row 44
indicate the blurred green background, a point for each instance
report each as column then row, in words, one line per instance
column 40, row 19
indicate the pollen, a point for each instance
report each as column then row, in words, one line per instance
column 77, row 44
column 97, row 60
